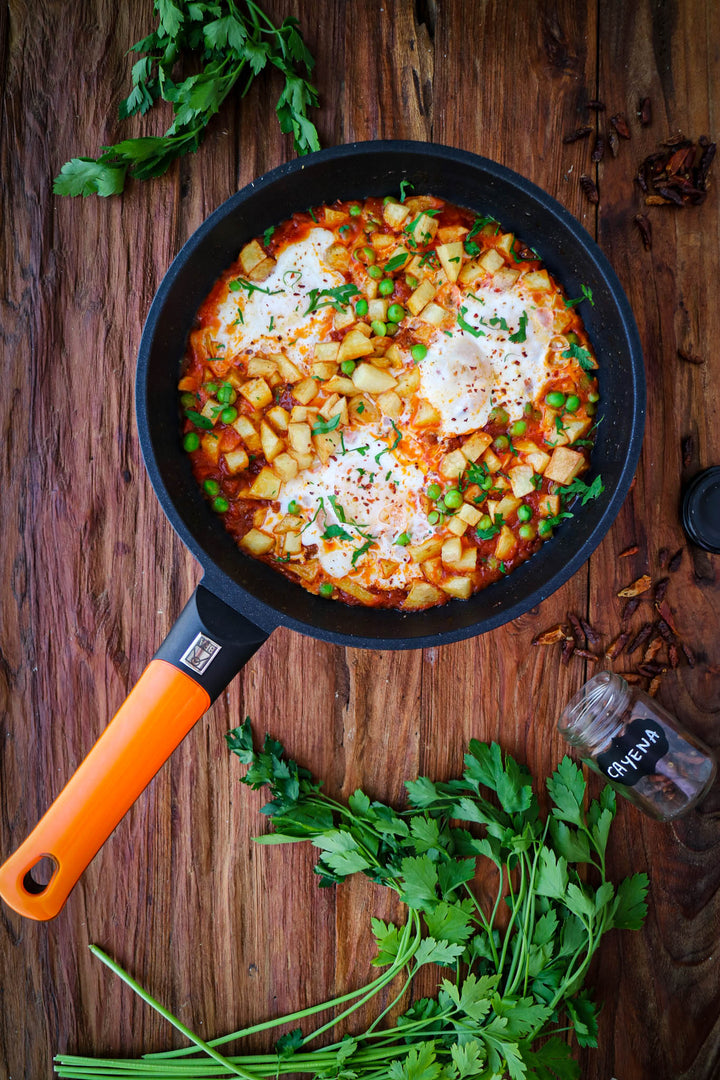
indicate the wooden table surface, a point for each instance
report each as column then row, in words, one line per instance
column 222, row 932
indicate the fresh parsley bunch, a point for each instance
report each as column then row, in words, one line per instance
column 233, row 39
column 513, row 978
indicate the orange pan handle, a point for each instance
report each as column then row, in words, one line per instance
column 207, row 646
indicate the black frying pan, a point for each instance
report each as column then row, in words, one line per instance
column 240, row 600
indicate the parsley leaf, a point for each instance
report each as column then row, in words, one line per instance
column 583, row 357
column 588, row 492
column 520, row 334
column 464, row 325
column 322, row 427
column 339, row 297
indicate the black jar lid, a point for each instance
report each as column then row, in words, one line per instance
column 701, row 510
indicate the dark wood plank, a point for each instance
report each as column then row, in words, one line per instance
column 223, row 932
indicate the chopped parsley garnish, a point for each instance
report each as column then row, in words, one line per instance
column 520, row 335
column 464, row 325
column 292, row 277
column 559, row 425
column 336, row 532
column 498, row 320
column 398, row 432
column 396, row 262
column 344, row 229
column 198, row 420
column 311, row 212
column 240, row 318
column 323, row 427
column 577, row 352
column 321, row 506
column 271, row 324
column 405, row 186
column 360, row 408
column 268, row 235
column 358, row 552
column 587, row 491
column 586, row 295
column 240, row 283
column 339, row 297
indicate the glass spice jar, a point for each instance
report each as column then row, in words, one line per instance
column 638, row 746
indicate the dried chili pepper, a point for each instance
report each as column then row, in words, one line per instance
column 643, row 223
column 619, row 122
column 598, row 106
column 661, row 588
column 632, row 550
column 551, row 636
column 663, row 556
column 568, row 648
column 638, row 587
column 617, row 646
column 675, row 561
column 577, row 134
column 629, row 610
column 589, row 189
column 587, row 655
column 576, row 629
column 598, row 149
column 645, row 112
column 689, row 654
column 687, row 448
column 640, row 638
column 590, row 632
column 673, row 655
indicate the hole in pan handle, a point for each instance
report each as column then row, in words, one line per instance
column 206, row 647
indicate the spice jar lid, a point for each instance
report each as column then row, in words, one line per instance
column 701, row 510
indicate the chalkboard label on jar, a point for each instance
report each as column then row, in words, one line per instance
column 635, row 753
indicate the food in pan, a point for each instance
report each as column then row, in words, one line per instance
column 389, row 401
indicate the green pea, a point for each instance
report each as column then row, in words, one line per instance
column 375, row 272
column 526, row 532
column 498, row 415
column 326, row 589
column 528, row 410
column 590, row 408
column 518, row 428
column 392, row 329
column 433, row 517
column 411, row 281
column 389, row 199
column 544, row 529
column 501, row 442
column 355, row 210
column 403, row 539
column 220, row 505
column 210, row 388
column 226, row 395
column 191, row 442
column 485, row 522
column 486, row 483
column 293, row 507
column 418, row 352
column 593, row 396
column 386, row 286
column 378, row 328
column 573, row 338
column 361, row 308
column 434, row 492
column 368, row 254
column 188, row 401
column 555, row 399
column 347, row 367
column 453, row 499
column 211, row 487
column 492, row 563
column 573, row 403
column 524, row 512
column 396, row 312
column 229, row 414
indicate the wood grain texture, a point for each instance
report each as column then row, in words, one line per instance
column 223, row 932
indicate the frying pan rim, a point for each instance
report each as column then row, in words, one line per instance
column 267, row 615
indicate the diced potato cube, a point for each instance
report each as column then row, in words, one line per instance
column 353, row 346
column 257, row 392
column 449, row 234
column 556, row 438
column 459, row 587
column 248, row 434
column 433, row 569
column 426, row 415
column 429, row 549
column 308, row 571
column 262, row 271
column 421, row 297
column 305, row 391
column 290, row 523
column 395, row 214
column 327, row 351
column 451, row 551
column 471, row 272
column 266, row 486
column 476, row 445
column 422, row 595
column 333, row 217
column 271, row 444
column 278, row 417
column 549, row 505
column 377, row 309
column 538, row 280
column 326, row 445
column 288, row 370
column 504, row 278
column 394, row 355
column 304, row 461
column 408, row 382
column 491, row 461
column 357, row 591
column 299, row 438
column 322, row 369
column 576, row 429
column 340, row 385
column 538, row 461
column 257, row 543
column 334, row 405
column 390, row 404
column 300, row 413
column 507, row 506
column 506, row 543
column 285, row 466
column 491, row 260
column 372, row 380
column 395, row 257
column 370, row 288
column 362, row 328
column 381, row 242
column 337, row 257
column 505, row 242
column 211, row 447
column 388, row 568
column 343, row 319
column 491, row 508
column 363, row 410
column 420, row 268
column 521, row 480
column 423, row 229
column 450, row 256
column 292, row 544
column 417, row 203
column 501, row 483
column 525, row 446
column 457, row 526
column 251, row 256
column 432, row 314
column 469, row 513
column 236, row 460
column 452, row 465
column 261, row 367
column 211, row 410
column 564, row 465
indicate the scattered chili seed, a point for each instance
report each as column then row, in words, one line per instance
column 619, row 122
column 638, row 587
column 629, row 610
column 645, row 112
column 633, row 550
column 589, row 189
column 568, row 648
column 661, row 588
column 617, row 646
column 598, row 106
column 598, row 149
column 643, row 223
column 549, row 637
column 688, row 450
column 575, row 136
column 674, row 563
column 614, row 143
column 689, row 654
column 690, row 357
column 640, row 638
